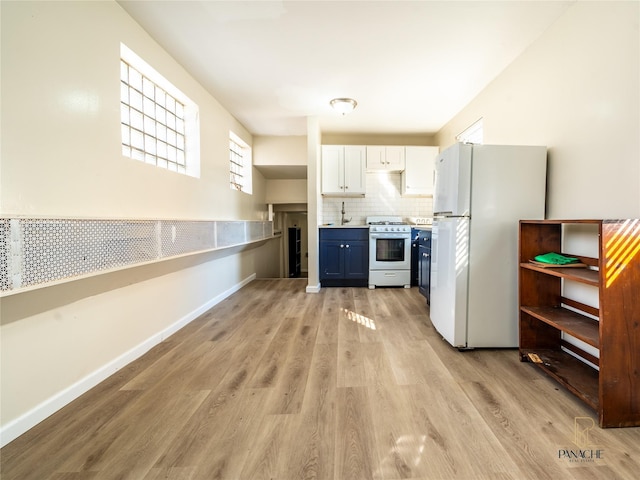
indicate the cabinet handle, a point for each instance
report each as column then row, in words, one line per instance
column 341, row 246
column 347, row 245
column 346, row 187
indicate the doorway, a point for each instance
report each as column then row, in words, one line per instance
column 284, row 218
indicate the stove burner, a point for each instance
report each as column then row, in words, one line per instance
column 387, row 223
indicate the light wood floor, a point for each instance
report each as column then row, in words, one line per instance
column 348, row 384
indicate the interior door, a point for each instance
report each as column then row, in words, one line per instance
column 449, row 278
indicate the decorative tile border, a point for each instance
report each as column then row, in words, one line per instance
column 38, row 251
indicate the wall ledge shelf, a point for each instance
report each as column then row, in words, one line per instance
column 42, row 252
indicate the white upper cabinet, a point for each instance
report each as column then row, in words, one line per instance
column 343, row 170
column 417, row 177
column 388, row 159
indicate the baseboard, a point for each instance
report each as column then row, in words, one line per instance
column 313, row 288
column 20, row 425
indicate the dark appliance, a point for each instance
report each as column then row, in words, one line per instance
column 414, row 257
column 294, row 252
column 424, row 263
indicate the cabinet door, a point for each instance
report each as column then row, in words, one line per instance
column 395, row 159
column 331, row 259
column 356, row 260
column 424, row 264
column 354, row 170
column 333, row 169
column 417, row 178
column 376, row 158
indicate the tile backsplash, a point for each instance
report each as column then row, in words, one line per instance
column 382, row 198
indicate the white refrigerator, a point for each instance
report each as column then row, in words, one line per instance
column 481, row 192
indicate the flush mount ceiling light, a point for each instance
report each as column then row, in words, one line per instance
column 343, row 105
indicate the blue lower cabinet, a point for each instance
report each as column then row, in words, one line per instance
column 344, row 257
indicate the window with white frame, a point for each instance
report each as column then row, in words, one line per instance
column 474, row 133
column 239, row 164
column 159, row 124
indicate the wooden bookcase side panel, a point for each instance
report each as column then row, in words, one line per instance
column 538, row 238
column 619, row 402
column 537, row 335
column 536, row 289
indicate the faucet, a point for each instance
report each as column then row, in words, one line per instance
column 344, row 220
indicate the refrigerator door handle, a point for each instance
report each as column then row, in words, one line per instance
column 442, row 214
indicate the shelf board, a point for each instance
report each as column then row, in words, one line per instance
column 582, row 275
column 579, row 326
column 562, row 222
column 579, row 378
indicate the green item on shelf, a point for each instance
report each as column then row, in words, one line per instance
column 555, row 259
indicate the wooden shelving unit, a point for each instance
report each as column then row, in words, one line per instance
column 547, row 317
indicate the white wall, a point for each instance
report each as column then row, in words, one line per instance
column 287, row 150
column 577, row 91
column 61, row 157
column 286, row 191
column 314, row 201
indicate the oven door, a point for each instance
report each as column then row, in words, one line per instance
column 389, row 251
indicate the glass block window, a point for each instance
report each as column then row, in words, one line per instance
column 240, row 164
column 155, row 119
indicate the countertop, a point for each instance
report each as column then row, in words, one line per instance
column 346, row 225
column 422, row 227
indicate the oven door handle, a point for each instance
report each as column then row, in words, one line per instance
column 390, row 235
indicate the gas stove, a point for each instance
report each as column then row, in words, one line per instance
column 388, row 224
column 389, row 252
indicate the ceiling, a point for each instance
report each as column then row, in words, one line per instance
column 411, row 65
